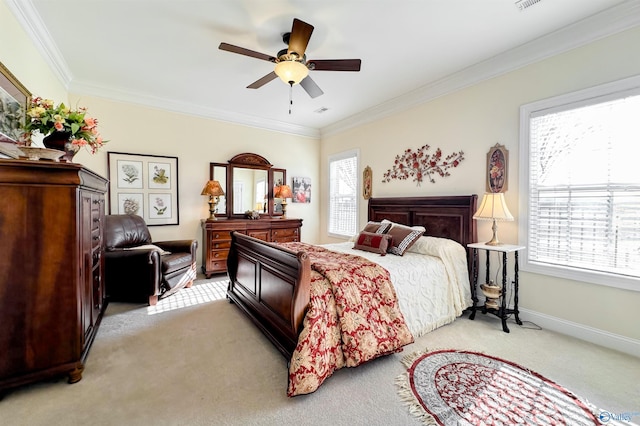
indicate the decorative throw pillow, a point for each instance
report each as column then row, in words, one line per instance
column 404, row 237
column 377, row 227
column 373, row 242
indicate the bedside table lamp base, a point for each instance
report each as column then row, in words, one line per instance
column 494, row 239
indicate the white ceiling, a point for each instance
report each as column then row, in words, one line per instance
column 165, row 53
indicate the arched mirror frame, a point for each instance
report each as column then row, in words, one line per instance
column 225, row 172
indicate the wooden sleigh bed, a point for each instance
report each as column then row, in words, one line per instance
column 271, row 284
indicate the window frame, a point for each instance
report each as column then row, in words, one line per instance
column 336, row 157
column 593, row 95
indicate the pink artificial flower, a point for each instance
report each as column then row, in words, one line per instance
column 90, row 122
column 58, row 125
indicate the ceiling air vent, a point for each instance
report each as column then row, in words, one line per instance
column 523, row 4
column 321, row 110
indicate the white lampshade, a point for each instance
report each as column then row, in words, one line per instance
column 493, row 207
column 291, row 72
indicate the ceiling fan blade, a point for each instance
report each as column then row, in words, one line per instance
column 264, row 80
column 334, row 64
column 242, row 51
column 299, row 38
column 311, row 87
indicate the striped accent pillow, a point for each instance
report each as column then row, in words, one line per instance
column 377, row 227
column 404, row 237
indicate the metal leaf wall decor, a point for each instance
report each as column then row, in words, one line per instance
column 421, row 165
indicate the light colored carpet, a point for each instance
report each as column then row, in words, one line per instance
column 207, row 364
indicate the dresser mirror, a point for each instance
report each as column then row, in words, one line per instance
column 248, row 180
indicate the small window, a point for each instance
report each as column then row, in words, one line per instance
column 343, row 185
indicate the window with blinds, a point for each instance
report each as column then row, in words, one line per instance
column 582, row 186
column 343, row 189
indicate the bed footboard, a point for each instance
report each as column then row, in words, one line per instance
column 271, row 285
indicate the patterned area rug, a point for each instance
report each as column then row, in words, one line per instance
column 195, row 295
column 449, row 387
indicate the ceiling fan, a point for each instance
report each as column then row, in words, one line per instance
column 291, row 63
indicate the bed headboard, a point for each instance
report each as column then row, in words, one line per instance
column 443, row 216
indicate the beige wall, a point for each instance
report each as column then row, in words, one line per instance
column 473, row 120
column 197, row 142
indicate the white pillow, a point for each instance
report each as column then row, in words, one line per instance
column 435, row 246
column 149, row 247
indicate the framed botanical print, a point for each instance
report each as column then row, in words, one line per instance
column 497, row 169
column 144, row 185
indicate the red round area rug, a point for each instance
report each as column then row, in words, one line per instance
column 450, row 387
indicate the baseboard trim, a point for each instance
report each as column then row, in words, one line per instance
column 583, row 332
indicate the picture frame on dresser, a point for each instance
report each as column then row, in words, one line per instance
column 14, row 100
column 145, row 185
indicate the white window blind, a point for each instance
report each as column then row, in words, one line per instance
column 583, row 204
column 343, row 185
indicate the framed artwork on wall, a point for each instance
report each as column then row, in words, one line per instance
column 367, row 182
column 144, row 185
column 14, row 99
column 301, row 190
column 497, row 169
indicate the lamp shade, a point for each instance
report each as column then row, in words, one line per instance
column 283, row 191
column 213, row 189
column 493, row 207
column 291, row 72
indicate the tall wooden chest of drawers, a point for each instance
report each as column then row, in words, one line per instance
column 51, row 269
column 216, row 236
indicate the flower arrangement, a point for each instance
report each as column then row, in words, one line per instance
column 420, row 165
column 46, row 118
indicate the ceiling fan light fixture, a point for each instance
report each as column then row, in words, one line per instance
column 291, row 72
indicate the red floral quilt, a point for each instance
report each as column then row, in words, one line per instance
column 353, row 317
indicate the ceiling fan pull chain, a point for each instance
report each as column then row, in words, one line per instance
column 290, row 96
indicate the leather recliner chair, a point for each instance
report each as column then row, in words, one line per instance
column 139, row 270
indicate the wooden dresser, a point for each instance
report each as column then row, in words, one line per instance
column 216, row 237
column 51, row 269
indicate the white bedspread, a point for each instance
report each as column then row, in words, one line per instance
column 431, row 281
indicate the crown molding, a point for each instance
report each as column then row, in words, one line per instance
column 30, row 21
column 607, row 23
column 191, row 109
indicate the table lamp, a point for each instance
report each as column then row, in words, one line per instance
column 213, row 189
column 493, row 207
column 284, row 192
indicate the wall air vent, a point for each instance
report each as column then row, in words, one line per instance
column 523, row 4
